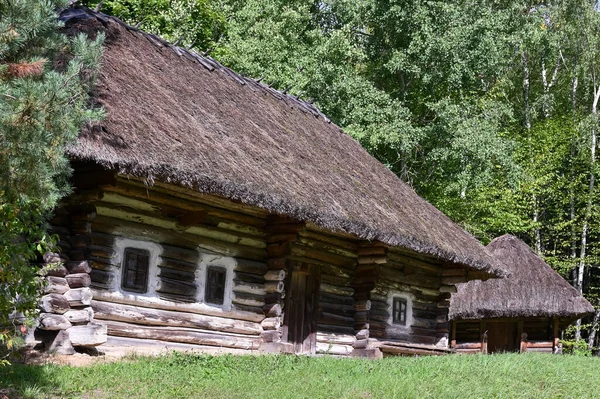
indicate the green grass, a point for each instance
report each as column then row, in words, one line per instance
column 194, row 376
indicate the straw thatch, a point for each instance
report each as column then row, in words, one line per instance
column 533, row 288
column 178, row 117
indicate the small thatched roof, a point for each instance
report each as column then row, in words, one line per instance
column 183, row 118
column 532, row 289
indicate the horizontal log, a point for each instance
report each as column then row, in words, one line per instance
column 339, row 339
column 80, row 315
column 241, row 298
column 448, row 288
column 274, row 286
column 271, row 323
column 340, row 310
column 272, row 309
column 78, row 266
column 55, row 270
column 179, row 275
column 53, row 322
column 304, row 252
column 540, row 344
column 404, row 350
column 183, row 288
column 252, row 267
column 54, row 303
column 101, row 276
column 271, row 336
column 344, row 330
column 333, row 349
column 334, row 319
column 249, row 278
column 275, row 275
column 56, row 285
column 88, row 335
column 198, row 308
column 79, row 296
column 333, row 298
column 324, row 246
column 184, row 335
column 468, row 345
column 78, row 280
column 333, row 289
column 250, row 288
column 330, row 240
column 158, row 317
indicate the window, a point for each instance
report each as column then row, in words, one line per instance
column 399, row 311
column 135, row 270
column 215, row 285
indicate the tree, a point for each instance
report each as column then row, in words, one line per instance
column 45, row 78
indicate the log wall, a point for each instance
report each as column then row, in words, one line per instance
column 189, row 234
column 533, row 334
column 186, row 231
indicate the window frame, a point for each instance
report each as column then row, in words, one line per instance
column 125, row 269
column 402, row 311
column 222, row 271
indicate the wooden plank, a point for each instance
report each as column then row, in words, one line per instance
column 158, row 317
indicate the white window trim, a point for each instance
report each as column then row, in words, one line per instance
column 224, row 262
column 409, row 309
column 154, row 249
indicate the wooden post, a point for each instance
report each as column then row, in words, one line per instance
column 555, row 341
column 523, row 343
column 453, row 336
column 483, row 335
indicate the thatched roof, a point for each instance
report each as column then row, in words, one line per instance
column 182, row 118
column 532, row 289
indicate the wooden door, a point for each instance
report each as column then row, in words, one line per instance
column 502, row 336
column 301, row 307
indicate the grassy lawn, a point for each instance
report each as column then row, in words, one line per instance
column 194, row 376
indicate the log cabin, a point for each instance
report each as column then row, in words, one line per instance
column 213, row 212
column 521, row 313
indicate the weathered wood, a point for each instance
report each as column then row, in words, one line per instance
column 55, row 271
column 195, row 307
column 80, row 315
column 171, row 286
column 88, row 335
column 468, row 345
column 271, row 323
column 333, row 289
column 338, row 299
column 324, row 328
column 79, row 296
column 539, row 344
column 334, row 319
column 252, row 267
column 272, row 309
column 54, row 303
column 61, row 345
column 79, row 280
column 79, row 266
column 341, row 310
column 246, row 299
column 275, row 275
column 158, row 317
column 250, row 288
column 49, row 321
column 249, row 278
column 340, row 339
column 321, row 245
column 56, row 285
column 398, row 349
column 448, row 288
column 271, row 336
column 274, row 286
column 523, row 344
column 333, row 349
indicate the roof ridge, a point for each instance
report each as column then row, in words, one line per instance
column 205, row 60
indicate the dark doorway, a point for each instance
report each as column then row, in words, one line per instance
column 301, row 307
column 502, row 336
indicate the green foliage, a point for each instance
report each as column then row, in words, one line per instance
column 200, row 376
column 196, row 23
column 45, row 78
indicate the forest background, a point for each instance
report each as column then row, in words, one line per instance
column 487, row 108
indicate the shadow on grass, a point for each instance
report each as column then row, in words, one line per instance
column 27, row 381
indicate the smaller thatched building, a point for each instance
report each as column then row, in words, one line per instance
column 523, row 312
